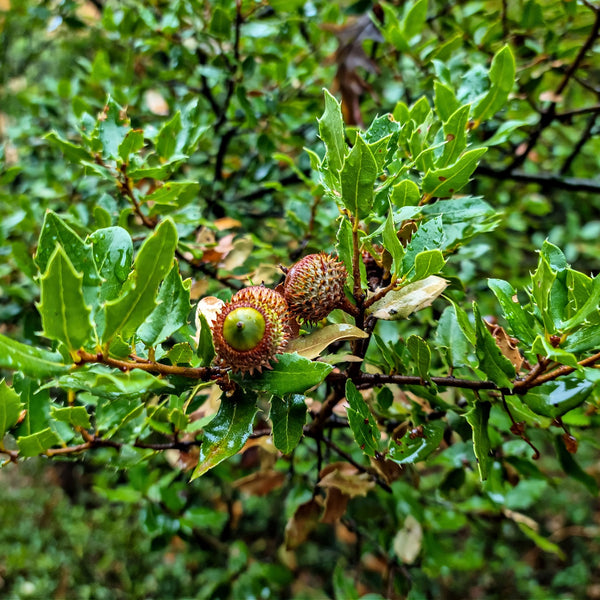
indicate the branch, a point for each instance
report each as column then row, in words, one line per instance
column 156, row 368
column 576, row 184
column 95, row 442
column 585, row 137
column 374, row 379
column 558, row 372
column 317, row 436
column 548, row 115
column 568, row 115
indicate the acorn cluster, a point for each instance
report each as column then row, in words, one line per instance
column 257, row 323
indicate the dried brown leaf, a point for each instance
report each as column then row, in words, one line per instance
column 310, row 346
column 346, row 478
column 260, row 483
column 300, row 525
column 507, row 344
column 336, row 503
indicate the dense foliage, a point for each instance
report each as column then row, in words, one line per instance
column 423, row 438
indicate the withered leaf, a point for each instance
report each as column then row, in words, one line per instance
column 310, row 346
column 336, row 503
column 300, row 525
column 260, row 483
column 507, row 344
column 346, row 478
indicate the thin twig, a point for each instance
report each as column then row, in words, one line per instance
column 548, row 115
column 156, row 368
column 549, row 180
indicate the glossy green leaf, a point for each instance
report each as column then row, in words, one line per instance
column 171, row 312
column 181, row 353
column 220, row 23
column 117, row 414
column 291, row 374
column 421, row 355
column 405, row 193
column 455, row 136
column 440, row 183
column 542, row 282
column 228, row 431
column 463, row 218
column 56, row 231
column 77, row 416
column 33, row 361
column 113, row 251
column 429, row 236
column 572, row 468
column 428, row 263
column 521, row 322
column 450, row 335
column 392, row 244
column 37, row 443
column 543, row 347
column 112, row 129
column 358, row 176
column 555, row 398
column 206, row 348
column 174, row 194
column 344, row 587
column 579, row 287
column 541, row 542
column 70, row 151
column 136, row 301
column 10, row 408
column 491, row 360
column 589, row 307
column 420, row 110
column 331, row 131
column 132, row 142
column 416, row 445
column 362, row 422
column 105, row 382
column 502, row 78
column 445, row 100
column 167, row 140
column 414, row 21
column 585, row 338
column 65, row 316
column 36, row 405
column 288, row 416
column 478, row 418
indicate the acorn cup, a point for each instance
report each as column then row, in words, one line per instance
column 251, row 329
column 314, row 286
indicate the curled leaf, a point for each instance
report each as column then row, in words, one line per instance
column 411, row 298
column 310, row 346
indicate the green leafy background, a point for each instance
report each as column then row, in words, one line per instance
column 152, row 153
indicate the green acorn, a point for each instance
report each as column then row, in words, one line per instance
column 314, row 287
column 251, row 329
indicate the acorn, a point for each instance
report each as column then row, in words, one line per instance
column 314, row 287
column 251, row 329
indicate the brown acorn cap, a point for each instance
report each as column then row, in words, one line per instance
column 314, row 287
column 272, row 309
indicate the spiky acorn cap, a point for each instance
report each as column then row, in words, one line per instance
column 314, row 287
column 251, row 329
